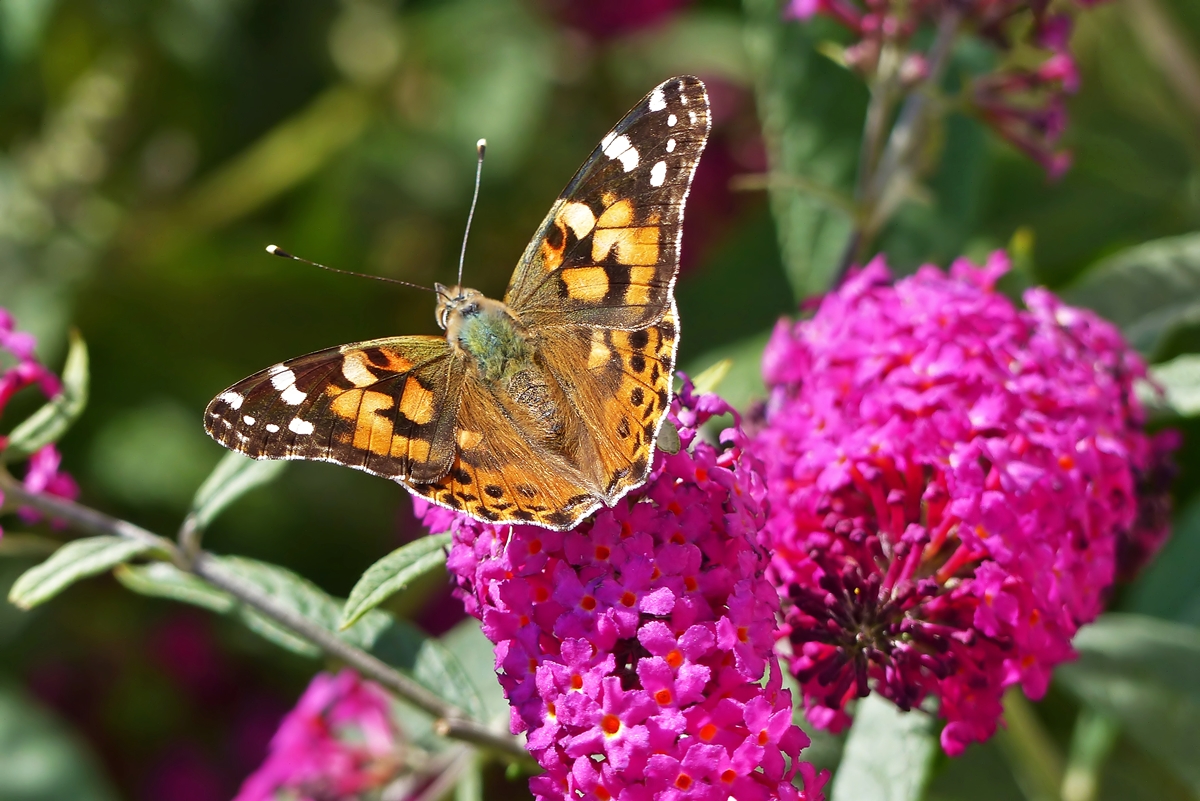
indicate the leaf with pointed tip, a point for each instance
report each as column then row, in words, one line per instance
column 50, row 422
column 393, row 573
column 72, row 562
column 234, row 476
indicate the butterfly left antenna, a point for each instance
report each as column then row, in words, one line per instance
column 275, row 250
column 480, row 148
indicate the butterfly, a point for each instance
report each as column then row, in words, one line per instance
column 535, row 409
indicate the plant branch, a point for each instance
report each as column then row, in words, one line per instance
column 451, row 721
column 883, row 179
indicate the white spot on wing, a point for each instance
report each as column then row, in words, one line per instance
column 671, row 120
column 657, row 101
column 301, row 427
column 275, row 368
column 606, row 141
column 282, row 377
column 670, row 145
column 622, row 149
column 292, row 396
column 692, row 117
column 233, row 399
column 274, row 429
column 248, row 420
column 658, row 173
column 629, row 159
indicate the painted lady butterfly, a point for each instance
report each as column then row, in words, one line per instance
column 536, row 409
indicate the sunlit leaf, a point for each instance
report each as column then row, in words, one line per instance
column 1144, row 673
column 1180, row 382
column 72, row 562
column 40, row 759
column 164, row 580
column 50, row 422
column 392, row 574
column 1148, row 290
column 888, row 754
column 234, row 476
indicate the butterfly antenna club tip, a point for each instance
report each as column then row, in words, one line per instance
column 480, row 148
column 275, row 250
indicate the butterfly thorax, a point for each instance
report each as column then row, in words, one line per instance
column 486, row 331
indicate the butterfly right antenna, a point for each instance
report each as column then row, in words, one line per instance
column 480, row 148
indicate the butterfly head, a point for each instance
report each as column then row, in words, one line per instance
column 456, row 301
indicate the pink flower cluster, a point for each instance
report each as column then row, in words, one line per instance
column 19, row 368
column 340, row 740
column 1024, row 105
column 633, row 648
column 950, row 477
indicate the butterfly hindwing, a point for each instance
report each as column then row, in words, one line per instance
column 387, row 406
column 501, row 473
column 608, row 251
column 619, row 385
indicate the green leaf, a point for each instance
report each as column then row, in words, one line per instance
column 888, row 754
column 477, row 656
column 164, row 580
column 51, row 421
column 407, row 648
column 393, row 573
column 40, row 759
column 709, row 379
column 234, row 476
column 303, row 597
column 72, row 562
column 1169, row 587
column 1180, row 381
column 1149, row 290
column 1144, row 673
column 811, row 112
column 743, row 381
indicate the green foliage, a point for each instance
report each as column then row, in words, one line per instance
column 234, row 476
column 811, row 116
column 40, row 759
column 888, row 754
column 1144, row 673
column 73, row 562
column 50, row 422
column 392, row 574
column 1149, row 290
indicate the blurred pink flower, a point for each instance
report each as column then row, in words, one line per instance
column 636, row 650
column 1025, row 106
column 949, row 478
column 340, row 740
column 20, row 369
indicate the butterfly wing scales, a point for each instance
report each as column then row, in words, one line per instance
column 608, row 251
column 620, row 397
column 501, row 475
column 387, row 407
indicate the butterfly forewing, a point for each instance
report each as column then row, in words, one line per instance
column 387, row 406
column 608, row 251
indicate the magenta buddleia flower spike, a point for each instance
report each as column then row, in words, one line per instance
column 634, row 648
column 951, row 479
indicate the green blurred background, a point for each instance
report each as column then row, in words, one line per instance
column 150, row 149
